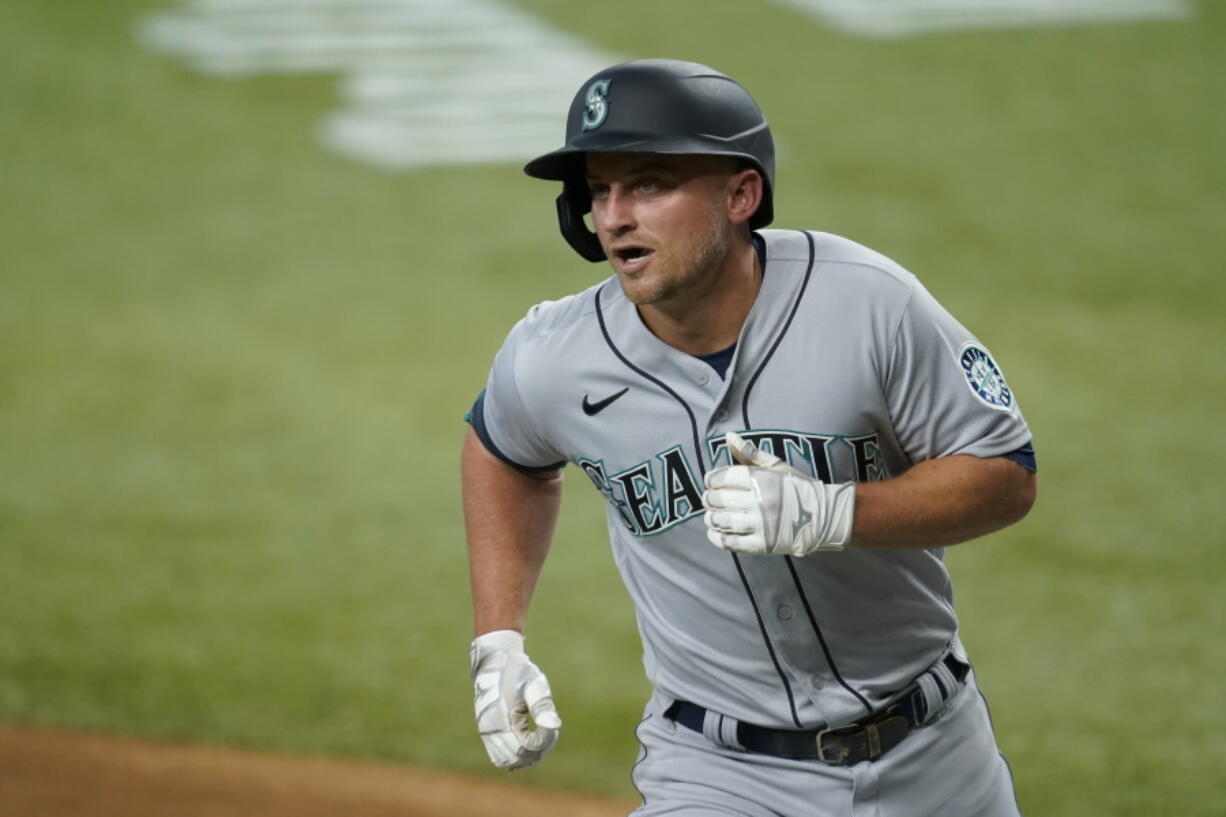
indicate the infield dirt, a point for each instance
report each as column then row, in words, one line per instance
column 58, row 774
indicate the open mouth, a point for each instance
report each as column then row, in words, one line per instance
column 630, row 255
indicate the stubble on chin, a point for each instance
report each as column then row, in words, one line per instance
column 647, row 288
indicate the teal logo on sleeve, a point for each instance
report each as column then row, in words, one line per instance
column 597, row 104
column 984, row 377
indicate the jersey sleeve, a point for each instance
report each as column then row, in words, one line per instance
column 945, row 392
column 504, row 416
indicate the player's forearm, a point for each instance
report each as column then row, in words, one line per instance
column 942, row 502
column 509, row 518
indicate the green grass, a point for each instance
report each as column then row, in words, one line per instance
column 232, row 368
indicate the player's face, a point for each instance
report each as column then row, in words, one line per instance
column 662, row 220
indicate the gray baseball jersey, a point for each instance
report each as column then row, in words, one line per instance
column 848, row 369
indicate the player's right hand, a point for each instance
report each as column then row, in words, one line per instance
column 764, row 507
column 514, row 705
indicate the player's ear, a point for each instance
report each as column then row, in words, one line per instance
column 745, row 191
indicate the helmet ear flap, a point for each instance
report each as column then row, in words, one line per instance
column 573, row 205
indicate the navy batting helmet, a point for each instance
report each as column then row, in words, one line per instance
column 654, row 106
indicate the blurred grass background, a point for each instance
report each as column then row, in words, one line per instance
column 232, row 368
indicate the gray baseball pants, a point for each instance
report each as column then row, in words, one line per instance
column 950, row 768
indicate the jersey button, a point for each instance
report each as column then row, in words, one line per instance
column 785, row 612
column 702, row 378
column 721, row 415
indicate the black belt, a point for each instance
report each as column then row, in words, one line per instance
column 866, row 739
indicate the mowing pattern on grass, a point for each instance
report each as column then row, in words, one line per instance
column 424, row 81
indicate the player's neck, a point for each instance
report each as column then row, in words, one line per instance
column 707, row 320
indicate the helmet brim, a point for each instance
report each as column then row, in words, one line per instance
column 567, row 164
column 559, row 165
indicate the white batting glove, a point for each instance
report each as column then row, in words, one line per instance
column 515, row 712
column 763, row 506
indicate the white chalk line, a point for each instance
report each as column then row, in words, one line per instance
column 905, row 18
column 422, row 81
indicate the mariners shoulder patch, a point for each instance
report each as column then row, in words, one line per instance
column 984, row 377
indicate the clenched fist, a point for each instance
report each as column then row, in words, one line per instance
column 514, row 706
column 763, row 506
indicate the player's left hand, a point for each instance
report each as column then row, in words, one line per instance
column 763, row 506
column 515, row 713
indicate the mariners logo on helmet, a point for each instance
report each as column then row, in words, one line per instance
column 597, row 104
column 984, row 377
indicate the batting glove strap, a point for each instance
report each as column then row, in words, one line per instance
column 514, row 706
column 768, row 511
column 486, row 647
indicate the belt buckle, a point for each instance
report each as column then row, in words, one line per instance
column 874, row 739
column 841, row 758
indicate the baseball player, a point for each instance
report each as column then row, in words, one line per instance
column 787, row 429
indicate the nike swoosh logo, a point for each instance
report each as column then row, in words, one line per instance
column 592, row 409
